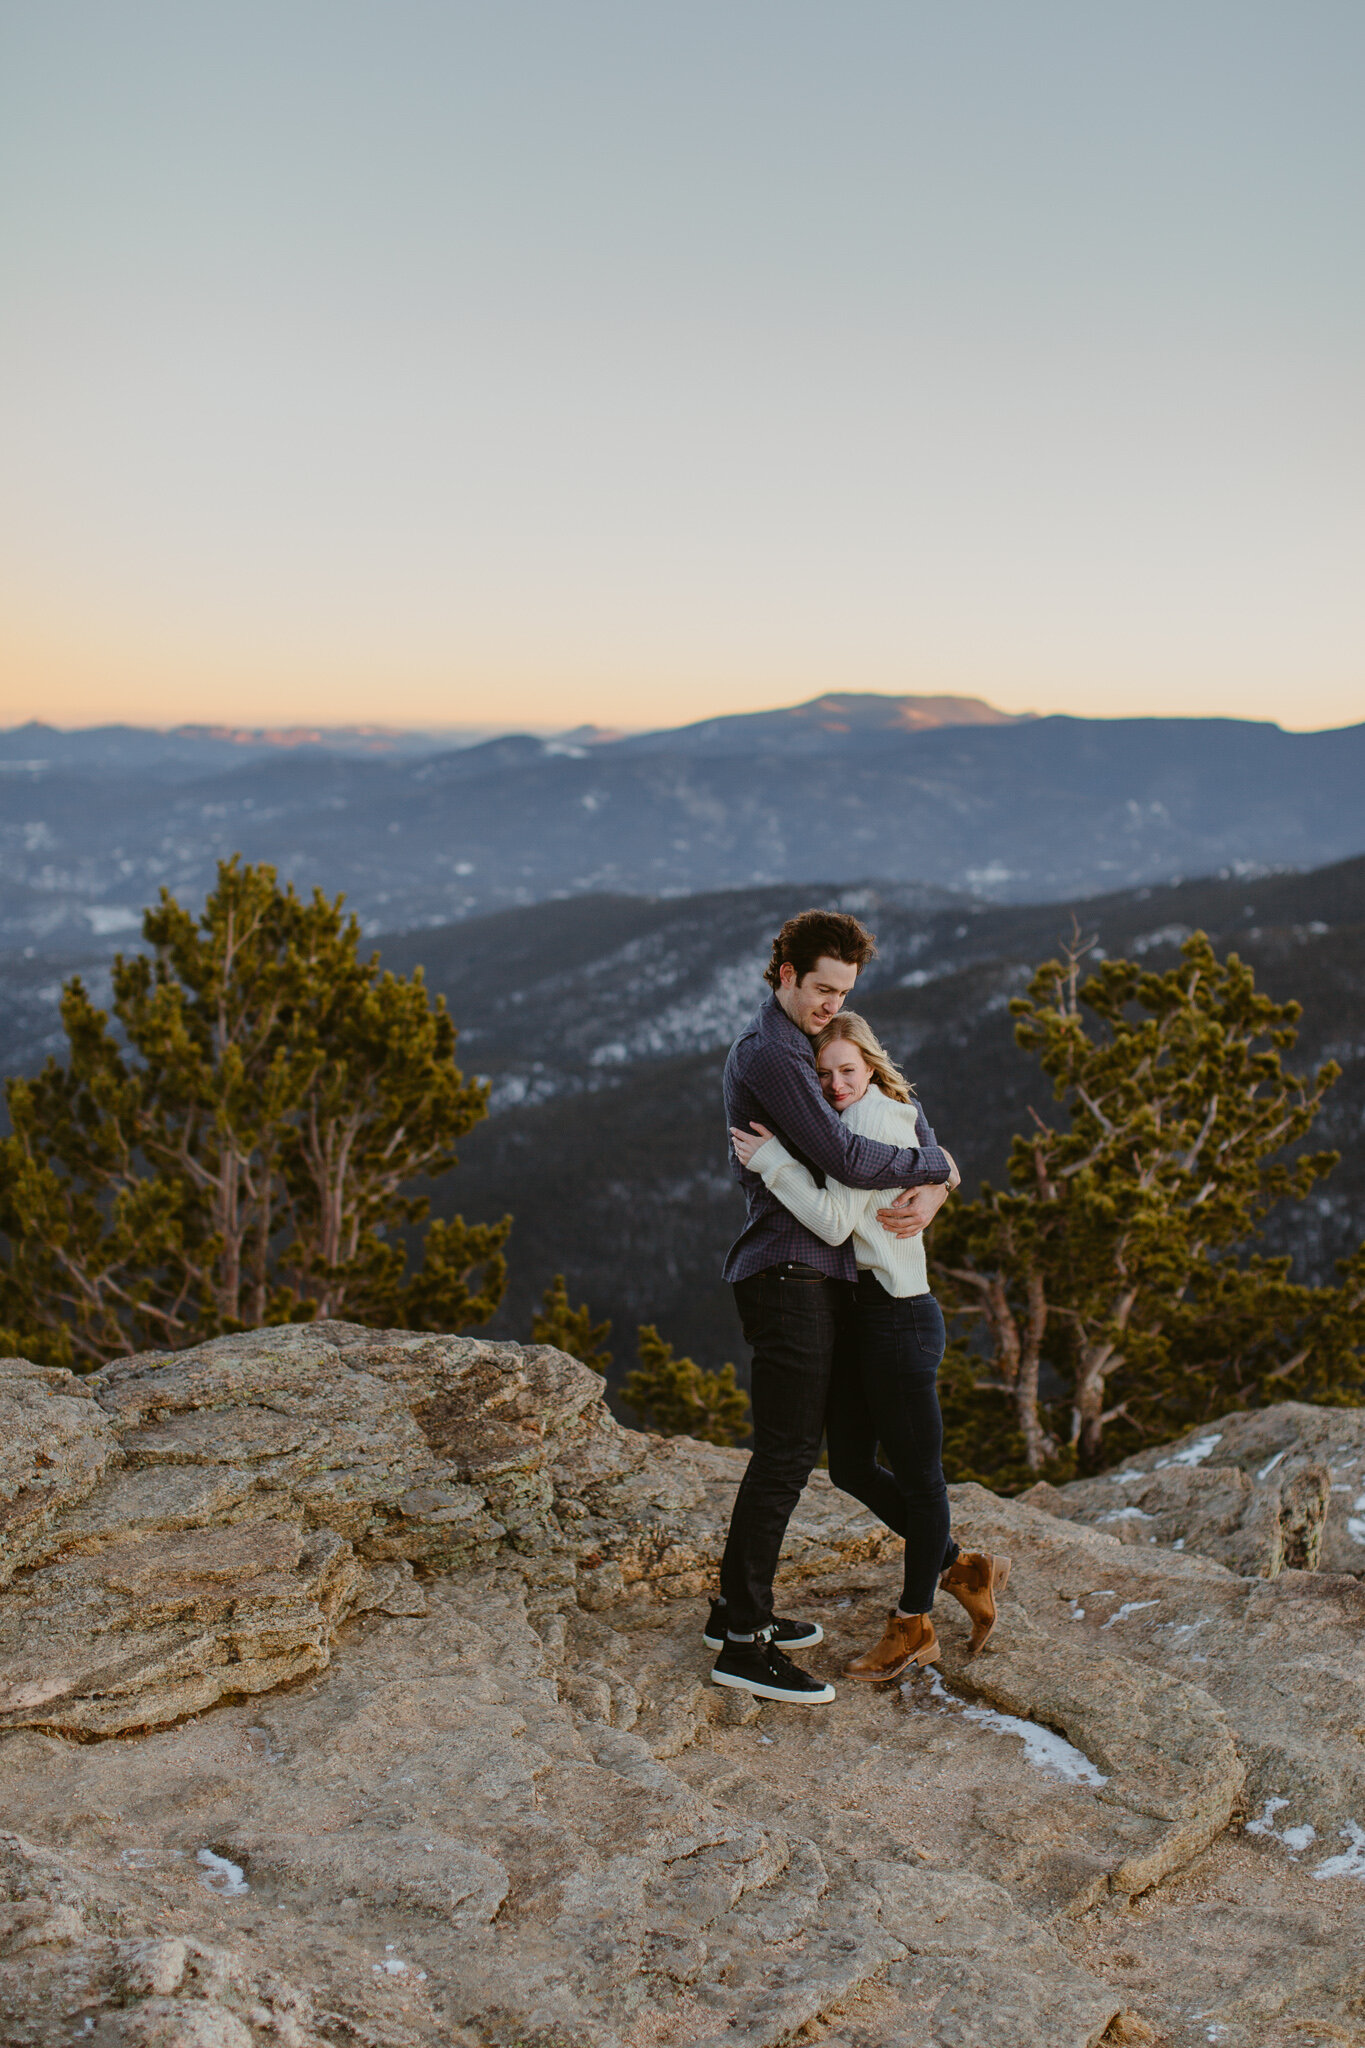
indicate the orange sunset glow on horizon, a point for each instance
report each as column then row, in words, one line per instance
column 411, row 368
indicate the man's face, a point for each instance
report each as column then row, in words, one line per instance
column 818, row 996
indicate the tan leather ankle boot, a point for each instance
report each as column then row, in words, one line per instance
column 908, row 1639
column 974, row 1582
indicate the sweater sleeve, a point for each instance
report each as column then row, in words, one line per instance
column 832, row 1212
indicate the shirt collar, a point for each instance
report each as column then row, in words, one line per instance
column 776, row 1019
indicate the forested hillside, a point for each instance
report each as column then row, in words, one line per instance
column 603, row 1024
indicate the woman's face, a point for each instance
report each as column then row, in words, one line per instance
column 844, row 1073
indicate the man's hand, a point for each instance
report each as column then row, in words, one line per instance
column 912, row 1212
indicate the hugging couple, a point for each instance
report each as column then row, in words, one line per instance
column 841, row 1173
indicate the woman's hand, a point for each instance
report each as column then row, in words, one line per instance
column 746, row 1144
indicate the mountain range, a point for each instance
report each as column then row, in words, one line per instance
column 598, row 908
column 947, row 792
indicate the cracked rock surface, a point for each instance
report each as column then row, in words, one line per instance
column 351, row 1691
column 1258, row 1491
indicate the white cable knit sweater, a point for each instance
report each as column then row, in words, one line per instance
column 835, row 1212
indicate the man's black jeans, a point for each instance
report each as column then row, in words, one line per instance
column 884, row 1391
column 793, row 1317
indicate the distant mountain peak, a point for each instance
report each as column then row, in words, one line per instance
column 847, row 717
column 347, row 739
column 287, row 735
column 588, row 736
column 871, row 711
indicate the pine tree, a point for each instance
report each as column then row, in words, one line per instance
column 1117, row 1255
column 571, row 1329
column 1331, row 1367
column 676, row 1397
column 234, row 1149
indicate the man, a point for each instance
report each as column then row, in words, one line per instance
column 794, row 1291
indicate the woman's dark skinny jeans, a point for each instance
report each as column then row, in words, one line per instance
column 884, row 1390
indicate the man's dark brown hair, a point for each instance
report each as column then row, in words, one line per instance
column 819, row 934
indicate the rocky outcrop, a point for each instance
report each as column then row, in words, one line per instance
column 54, row 1445
column 464, row 1781
column 1258, row 1491
column 259, row 1489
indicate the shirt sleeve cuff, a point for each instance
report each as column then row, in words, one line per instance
column 933, row 1168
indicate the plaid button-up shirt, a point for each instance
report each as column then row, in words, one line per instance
column 770, row 1079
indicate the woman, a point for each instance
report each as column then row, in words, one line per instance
column 884, row 1392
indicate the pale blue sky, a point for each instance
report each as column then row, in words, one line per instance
column 532, row 363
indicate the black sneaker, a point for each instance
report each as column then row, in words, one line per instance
column 788, row 1635
column 761, row 1668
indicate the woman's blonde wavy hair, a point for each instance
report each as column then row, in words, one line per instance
column 887, row 1075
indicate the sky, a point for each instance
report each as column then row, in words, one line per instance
column 438, row 364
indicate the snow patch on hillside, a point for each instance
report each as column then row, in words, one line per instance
column 697, row 1023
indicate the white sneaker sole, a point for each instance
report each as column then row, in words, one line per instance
column 817, row 1635
column 774, row 1692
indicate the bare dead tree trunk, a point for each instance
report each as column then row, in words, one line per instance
column 1098, row 1362
column 1018, row 1354
column 1095, row 1363
column 1039, row 1444
column 229, row 1288
column 259, row 1284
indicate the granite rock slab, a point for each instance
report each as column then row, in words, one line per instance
column 351, row 1690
